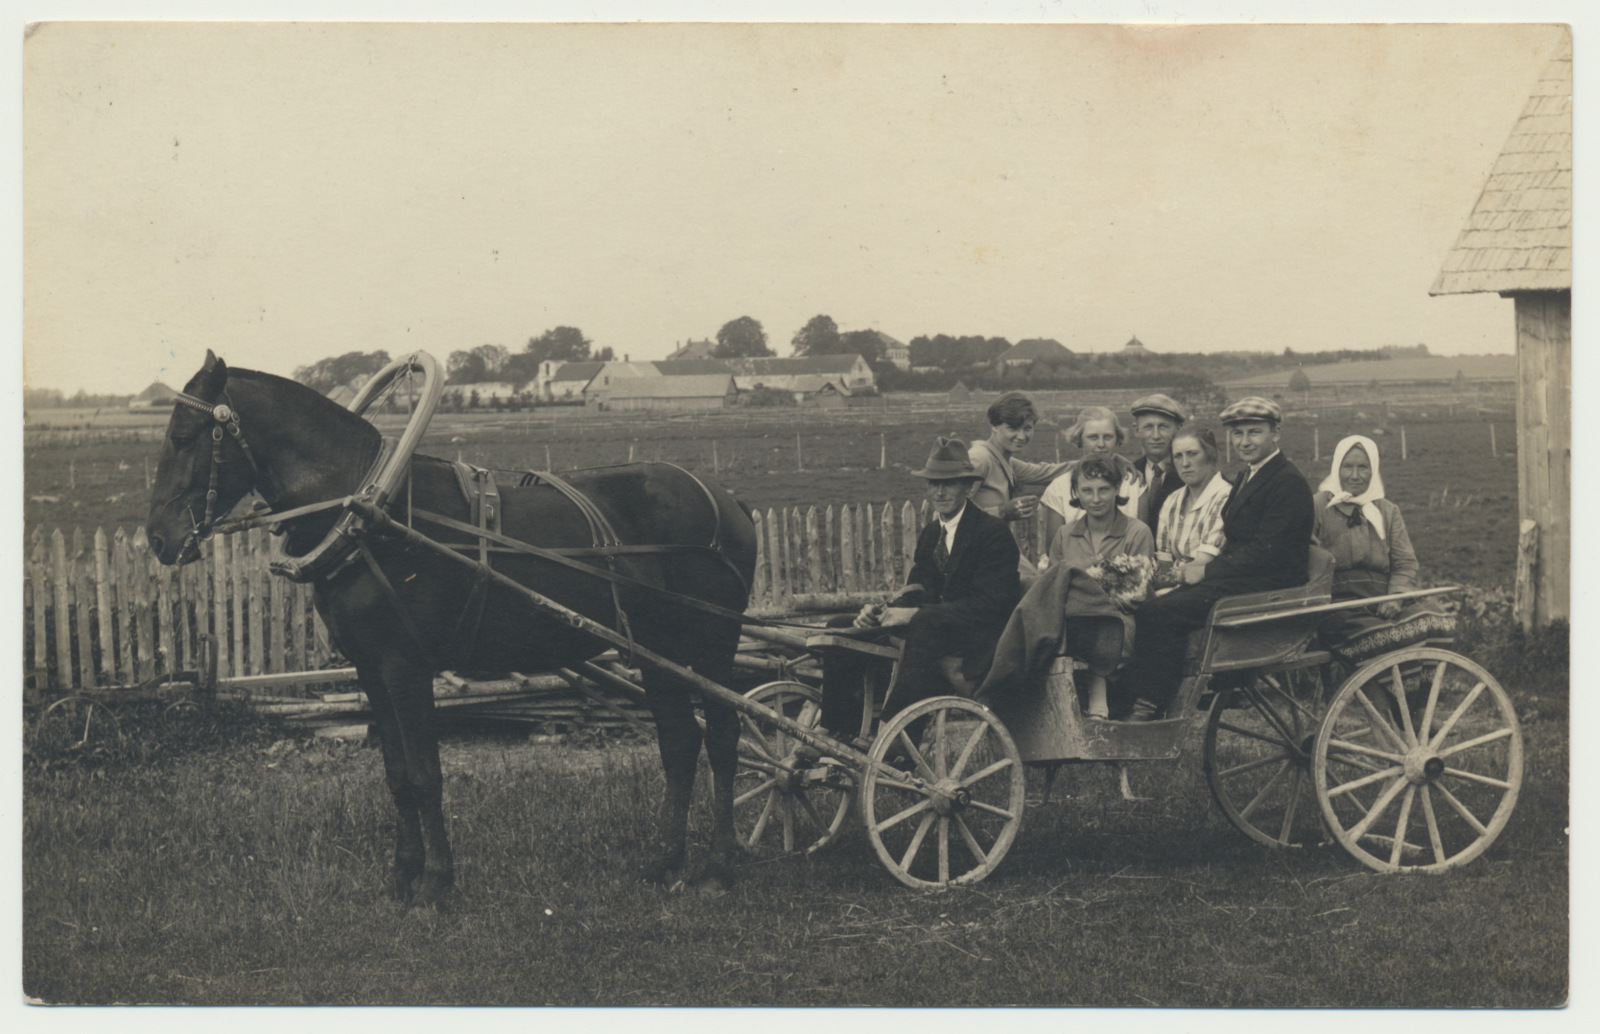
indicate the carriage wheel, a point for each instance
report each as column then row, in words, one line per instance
column 781, row 803
column 1418, row 762
column 74, row 723
column 958, row 822
column 1258, row 756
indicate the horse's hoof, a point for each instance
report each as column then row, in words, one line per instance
column 401, row 887
column 434, row 891
column 663, row 865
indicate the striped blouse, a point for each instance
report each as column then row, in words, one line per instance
column 1191, row 529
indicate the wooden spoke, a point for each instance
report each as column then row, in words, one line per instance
column 1479, row 791
column 1434, row 840
column 1401, row 824
column 780, row 805
column 899, row 817
column 1255, row 756
column 969, row 784
column 1488, row 737
column 1271, row 784
column 917, row 839
column 748, row 795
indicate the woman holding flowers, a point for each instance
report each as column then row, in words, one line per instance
column 1113, row 548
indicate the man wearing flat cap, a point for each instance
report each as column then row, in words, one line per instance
column 961, row 590
column 1267, row 522
column 1156, row 420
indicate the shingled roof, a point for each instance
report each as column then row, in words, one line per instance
column 1519, row 236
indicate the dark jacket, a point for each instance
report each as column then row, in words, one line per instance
column 979, row 583
column 1151, row 501
column 1267, row 521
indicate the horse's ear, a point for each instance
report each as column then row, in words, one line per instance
column 208, row 383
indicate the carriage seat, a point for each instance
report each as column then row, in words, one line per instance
column 1226, row 649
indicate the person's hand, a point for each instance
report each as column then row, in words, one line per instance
column 1193, row 572
column 1389, row 611
column 1022, row 507
column 870, row 617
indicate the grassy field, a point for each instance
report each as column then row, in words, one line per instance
column 1459, row 502
column 221, row 860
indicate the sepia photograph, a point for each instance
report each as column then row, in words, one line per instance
column 1025, row 507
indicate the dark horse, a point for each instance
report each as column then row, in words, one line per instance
column 297, row 448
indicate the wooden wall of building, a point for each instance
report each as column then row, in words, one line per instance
column 1544, row 460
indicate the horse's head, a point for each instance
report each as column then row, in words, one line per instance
column 205, row 467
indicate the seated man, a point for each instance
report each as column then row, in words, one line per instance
column 1267, row 522
column 961, row 589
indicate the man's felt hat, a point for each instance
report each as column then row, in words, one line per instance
column 1253, row 407
column 948, row 461
column 1166, row 405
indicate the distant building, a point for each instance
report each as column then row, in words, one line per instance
column 805, row 375
column 157, row 394
column 1046, row 350
column 685, row 392
column 894, row 351
column 563, row 382
column 1135, row 347
column 694, row 350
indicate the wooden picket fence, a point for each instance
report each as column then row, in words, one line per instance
column 100, row 611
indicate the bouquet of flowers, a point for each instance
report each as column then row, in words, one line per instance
column 1125, row 578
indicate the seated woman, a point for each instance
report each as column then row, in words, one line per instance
column 1096, row 543
column 1098, row 432
column 1372, row 554
column 1191, row 520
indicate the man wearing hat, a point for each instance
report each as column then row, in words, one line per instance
column 961, row 590
column 1156, row 419
column 1267, row 522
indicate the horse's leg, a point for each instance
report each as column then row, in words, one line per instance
column 678, row 739
column 411, row 699
column 717, row 645
column 408, row 849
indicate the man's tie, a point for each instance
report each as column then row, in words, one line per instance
column 941, row 553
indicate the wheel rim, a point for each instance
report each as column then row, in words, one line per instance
column 953, row 819
column 780, row 806
column 1258, row 746
column 75, row 722
column 1419, row 762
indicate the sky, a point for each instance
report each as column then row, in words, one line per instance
column 284, row 192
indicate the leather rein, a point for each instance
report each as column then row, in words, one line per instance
column 224, row 416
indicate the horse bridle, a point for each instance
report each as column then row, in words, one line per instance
column 224, row 416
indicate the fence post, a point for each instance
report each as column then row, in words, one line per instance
column 887, row 567
column 1403, row 442
column 62, row 587
column 775, row 556
column 1493, row 451
column 219, row 603
column 847, row 547
column 37, row 573
column 1526, row 588
column 145, row 646
column 83, row 607
column 908, row 540
column 758, row 582
column 122, row 565
column 103, row 606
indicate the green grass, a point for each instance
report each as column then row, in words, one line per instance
column 246, row 869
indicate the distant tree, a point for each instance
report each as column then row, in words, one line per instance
column 327, row 374
column 494, row 358
column 464, row 367
column 820, row 336
column 1298, row 381
column 865, row 343
column 563, row 344
column 603, row 355
column 742, row 338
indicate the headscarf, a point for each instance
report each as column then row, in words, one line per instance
column 1331, row 485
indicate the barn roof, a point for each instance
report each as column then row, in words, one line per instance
column 839, row 362
column 694, row 350
column 1035, row 348
column 1519, row 235
column 694, row 385
column 689, row 367
column 576, row 372
column 156, row 393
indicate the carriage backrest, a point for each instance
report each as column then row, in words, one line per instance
column 1269, row 642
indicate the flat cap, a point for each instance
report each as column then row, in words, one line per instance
column 1252, row 407
column 1166, row 405
column 948, row 461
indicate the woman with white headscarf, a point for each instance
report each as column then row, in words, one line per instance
column 1364, row 531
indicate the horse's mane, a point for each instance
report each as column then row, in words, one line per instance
column 328, row 408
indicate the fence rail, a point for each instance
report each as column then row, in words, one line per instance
column 100, row 610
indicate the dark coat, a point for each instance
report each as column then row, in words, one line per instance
column 1150, row 503
column 979, row 585
column 1268, row 522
